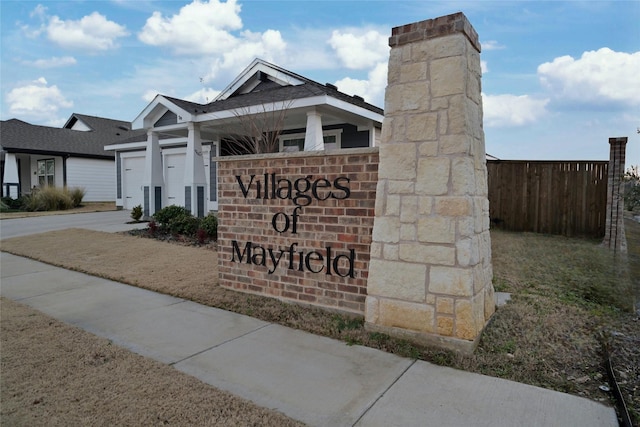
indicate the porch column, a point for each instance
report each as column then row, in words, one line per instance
column 11, row 179
column 195, row 180
column 313, row 138
column 153, row 182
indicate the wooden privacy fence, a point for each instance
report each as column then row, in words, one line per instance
column 555, row 197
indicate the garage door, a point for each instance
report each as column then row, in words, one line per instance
column 132, row 176
column 174, row 178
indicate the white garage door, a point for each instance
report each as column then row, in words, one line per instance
column 174, row 178
column 132, row 176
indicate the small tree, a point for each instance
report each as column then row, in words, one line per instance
column 256, row 129
column 631, row 188
column 136, row 213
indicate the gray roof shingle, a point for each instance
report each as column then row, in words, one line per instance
column 19, row 136
column 270, row 94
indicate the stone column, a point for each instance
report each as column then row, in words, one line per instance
column 313, row 137
column 430, row 273
column 153, row 181
column 614, row 237
column 195, row 180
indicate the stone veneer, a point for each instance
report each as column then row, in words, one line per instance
column 430, row 271
column 343, row 224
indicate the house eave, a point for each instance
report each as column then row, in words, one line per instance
column 320, row 102
column 57, row 153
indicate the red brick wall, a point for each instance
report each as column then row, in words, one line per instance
column 339, row 216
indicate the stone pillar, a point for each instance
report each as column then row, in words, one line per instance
column 313, row 137
column 153, row 181
column 195, row 180
column 614, row 236
column 430, row 273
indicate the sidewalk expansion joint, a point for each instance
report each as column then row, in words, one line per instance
column 219, row 344
column 384, row 392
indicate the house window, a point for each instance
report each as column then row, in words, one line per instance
column 46, row 172
column 295, row 141
column 292, row 144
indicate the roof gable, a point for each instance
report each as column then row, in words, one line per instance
column 258, row 75
column 157, row 108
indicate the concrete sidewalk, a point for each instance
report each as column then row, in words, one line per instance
column 317, row 380
column 109, row 221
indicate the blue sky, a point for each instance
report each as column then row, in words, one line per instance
column 559, row 78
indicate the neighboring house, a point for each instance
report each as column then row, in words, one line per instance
column 173, row 165
column 71, row 156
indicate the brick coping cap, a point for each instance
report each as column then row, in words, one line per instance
column 618, row 140
column 300, row 154
column 433, row 28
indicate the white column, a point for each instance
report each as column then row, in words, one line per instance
column 11, row 179
column 195, row 181
column 153, row 181
column 313, row 138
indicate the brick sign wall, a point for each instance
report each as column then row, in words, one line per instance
column 297, row 226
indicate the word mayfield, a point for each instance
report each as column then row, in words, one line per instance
column 302, row 192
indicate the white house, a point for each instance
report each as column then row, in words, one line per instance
column 175, row 164
column 72, row 156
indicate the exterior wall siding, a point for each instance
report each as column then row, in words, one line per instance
column 95, row 176
column 324, row 245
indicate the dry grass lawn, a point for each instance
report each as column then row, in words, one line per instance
column 84, row 208
column 568, row 297
column 54, row 374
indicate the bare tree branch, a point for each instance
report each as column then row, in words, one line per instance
column 256, row 132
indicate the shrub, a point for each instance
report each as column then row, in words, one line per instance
column 632, row 198
column 185, row 224
column 12, row 204
column 48, row 199
column 165, row 215
column 631, row 188
column 153, row 227
column 201, row 235
column 136, row 213
column 76, row 194
column 210, row 226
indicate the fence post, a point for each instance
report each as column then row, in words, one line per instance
column 614, row 237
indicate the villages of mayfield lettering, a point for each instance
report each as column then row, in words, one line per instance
column 302, row 192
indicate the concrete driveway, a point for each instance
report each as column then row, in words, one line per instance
column 111, row 222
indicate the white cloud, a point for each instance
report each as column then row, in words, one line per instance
column 92, row 32
column 199, row 28
column 484, row 67
column 53, row 62
column 372, row 89
column 598, row 77
column 512, row 110
column 268, row 45
column 208, row 30
column 360, row 51
column 149, row 95
column 40, row 11
column 37, row 100
column 203, row 96
column 491, row 45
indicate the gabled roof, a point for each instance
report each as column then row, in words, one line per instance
column 259, row 84
column 260, row 72
column 19, row 136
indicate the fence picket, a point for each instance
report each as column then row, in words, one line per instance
column 555, row 197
